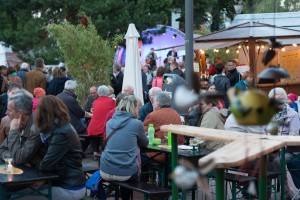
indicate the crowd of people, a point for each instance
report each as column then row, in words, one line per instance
column 41, row 120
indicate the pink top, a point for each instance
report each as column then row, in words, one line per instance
column 34, row 104
column 157, row 82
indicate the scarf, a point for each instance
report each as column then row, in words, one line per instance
column 281, row 115
column 45, row 136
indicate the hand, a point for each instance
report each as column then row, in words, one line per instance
column 15, row 124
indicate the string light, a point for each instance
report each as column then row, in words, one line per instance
column 237, row 51
column 247, row 47
column 239, row 46
column 227, row 50
column 294, row 45
column 283, row 49
column 257, row 47
column 202, row 51
column 262, row 46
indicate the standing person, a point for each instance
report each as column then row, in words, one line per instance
column 171, row 59
column 173, row 53
column 76, row 113
column 23, row 71
column 116, row 80
column 12, row 76
column 3, row 79
column 56, row 85
column 158, row 80
column 149, row 75
column 36, row 78
column 64, row 154
column 101, row 106
column 232, row 73
column 247, row 80
column 119, row 159
column 151, row 59
column 222, row 83
column 174, row 67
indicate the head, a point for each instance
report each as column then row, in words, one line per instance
column 46, row 117
column 14, row 88
column 292, row 98
column 171, row 59
column 103, row 91
column 248, row 77
column 93, row 91
column 111, row 90
column 206, row 103
column 19, row 106
column 174, row 65
column 153, row 91
column 279, row 94
column 218, row 60
column 57, row 72
column 160, row 71
column 161, row 100
column 146, row 69
column 70, row 85
column 219, row 68
column 39, row 63
column 152, row 50
column 25, row 66
column 39, row 92
column 116, row 68
column 120, row 97
column 11, row 70
column 211, row 88
column 129, row 104
column 231, row 65
column 3, row 69
column 128, row 89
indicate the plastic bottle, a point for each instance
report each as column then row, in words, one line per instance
column 169, row 139
column 151, row 133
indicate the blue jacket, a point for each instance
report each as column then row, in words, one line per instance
column 121, row 151
column 145, row 110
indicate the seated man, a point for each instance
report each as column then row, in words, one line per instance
column 162, row 114
column 23, row 142
column 148, row 108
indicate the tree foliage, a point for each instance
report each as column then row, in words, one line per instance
column 87, row 55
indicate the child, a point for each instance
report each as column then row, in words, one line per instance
column 38, row 93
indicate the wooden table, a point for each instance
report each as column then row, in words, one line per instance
column 27, row 178
column 241, row 147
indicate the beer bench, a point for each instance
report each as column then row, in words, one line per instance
column 149, row 190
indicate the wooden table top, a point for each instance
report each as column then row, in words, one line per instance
column 240, row 147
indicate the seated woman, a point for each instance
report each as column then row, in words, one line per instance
column 64, row 154
column 211, row 117
column 247, row 80
column 119, row 159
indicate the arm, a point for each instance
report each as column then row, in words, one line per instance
column 208, row 121
column 43, row 83
column 23, row 151
column 58, row 147
column 142, row 139
column 76, row 108
column 295, row 123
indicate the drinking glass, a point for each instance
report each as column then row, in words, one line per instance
column 8, row 159
column 166, row 137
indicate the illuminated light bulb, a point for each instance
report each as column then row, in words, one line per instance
column 294, row 45
column 239, row 46
column 227, row 50
column 283, row 49
column 237, row 51
column 262, row 46
column 257, row 47
column 217, row 50
column 247, row 47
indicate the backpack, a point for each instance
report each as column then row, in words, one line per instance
column 94, row 184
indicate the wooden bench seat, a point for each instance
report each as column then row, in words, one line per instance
column 149, row 190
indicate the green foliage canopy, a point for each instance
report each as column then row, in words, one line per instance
column 87, row 55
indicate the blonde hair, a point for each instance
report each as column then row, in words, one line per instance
column 129, row 104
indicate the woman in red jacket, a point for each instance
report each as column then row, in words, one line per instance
column 101, row 106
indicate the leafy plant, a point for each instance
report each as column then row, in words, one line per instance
column 89, row 58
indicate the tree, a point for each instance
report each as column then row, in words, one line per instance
column 87, row 55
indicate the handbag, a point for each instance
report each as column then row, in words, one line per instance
column 94, row 184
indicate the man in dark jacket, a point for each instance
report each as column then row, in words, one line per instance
column 148, row 108
column 222, row 83
column 23, row 142
column 233, row 75
column 174, row 67
column 116, row 80
column 75, row 111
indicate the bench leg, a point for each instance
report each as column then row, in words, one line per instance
column 233, row 191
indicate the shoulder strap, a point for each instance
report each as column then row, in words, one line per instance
column 110, row 135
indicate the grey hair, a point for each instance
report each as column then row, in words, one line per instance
column 163, row 98
column 70, row 85
column 153, row 91
column 129, row 104
column 24, row 66
column 103, row 90
column 23, row 102
column 277, row 90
